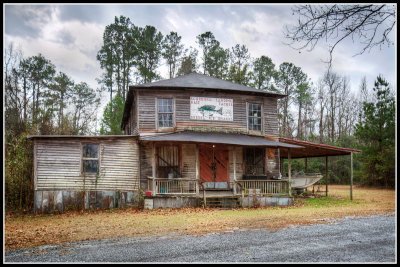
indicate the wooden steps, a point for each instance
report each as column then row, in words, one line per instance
column 225, row 202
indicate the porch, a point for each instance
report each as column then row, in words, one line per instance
column 182, row 192
column 194, row 187
column 213, row 165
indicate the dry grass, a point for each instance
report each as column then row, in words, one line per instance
column 29, row 231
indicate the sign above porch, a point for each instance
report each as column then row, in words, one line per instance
column 211, row 109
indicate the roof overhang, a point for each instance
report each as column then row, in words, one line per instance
column 313, row 149
column 217, row 138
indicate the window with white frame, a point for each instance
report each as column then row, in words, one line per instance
column 90, row 158
column 254, row 117
column 165, row 112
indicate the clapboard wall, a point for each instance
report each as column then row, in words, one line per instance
column 143, row 118
column 58, row 164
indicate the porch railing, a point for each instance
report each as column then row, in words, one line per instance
column 262, row 187
column 174, row 186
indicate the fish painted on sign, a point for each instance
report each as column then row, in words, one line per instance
column 210, row 108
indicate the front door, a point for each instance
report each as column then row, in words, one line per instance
column 214, row 160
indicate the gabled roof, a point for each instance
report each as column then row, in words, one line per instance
column 201, row 81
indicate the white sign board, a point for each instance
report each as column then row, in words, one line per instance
column 211, row 109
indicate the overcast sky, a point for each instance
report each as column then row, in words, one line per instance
column 71, row 35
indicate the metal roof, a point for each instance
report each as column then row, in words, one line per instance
column 313, row 149
column 217, row 138
column 196, row 80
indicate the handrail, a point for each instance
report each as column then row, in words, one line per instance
column 173, row 186
column 169, row 179
column 263, row 187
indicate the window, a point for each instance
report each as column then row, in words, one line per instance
column 254, row 117
column 90, row 158
column 254, row 161
column 165, row 112
column 168, row 162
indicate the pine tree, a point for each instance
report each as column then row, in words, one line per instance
column 376, row 132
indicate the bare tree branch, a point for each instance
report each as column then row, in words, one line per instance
column 370, row 25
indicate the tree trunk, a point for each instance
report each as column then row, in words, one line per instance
column 299, row 124
column 25, row 101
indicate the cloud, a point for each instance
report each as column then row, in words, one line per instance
column 70, row 45
column 71, row 35
column 83, row 13
column 26, row 20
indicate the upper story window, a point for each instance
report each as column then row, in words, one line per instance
column 90, row 158
column 254, row 117
column 165, row 112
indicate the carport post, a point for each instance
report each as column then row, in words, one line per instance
column 326, row 174
column 351, row 175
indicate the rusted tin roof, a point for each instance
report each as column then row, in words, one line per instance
column 314, row 149
column 217, row 138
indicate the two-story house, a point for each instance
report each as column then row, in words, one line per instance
column 188, row 141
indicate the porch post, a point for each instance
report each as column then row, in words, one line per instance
column 351, row 175
column 153, row 168
column 280, row 163
column 289, row 172
column 234, row 169
column 197, row 170
column 326, row 175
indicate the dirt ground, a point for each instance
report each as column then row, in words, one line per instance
column 28, row 231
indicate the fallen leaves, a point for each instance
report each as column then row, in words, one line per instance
column 35, row 230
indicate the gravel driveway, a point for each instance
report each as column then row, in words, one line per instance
column 351, row 239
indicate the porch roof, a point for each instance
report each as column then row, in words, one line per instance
column 217, row 138
column 313, row 149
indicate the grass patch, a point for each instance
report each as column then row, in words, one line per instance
column 323, row 202
column 24, row 231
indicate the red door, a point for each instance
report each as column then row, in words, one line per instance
column 214, row 162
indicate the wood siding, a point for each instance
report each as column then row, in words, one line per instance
column 239, row 163
column 145, row 101
column 59, row 164
column 189, row 161
column 145, row 163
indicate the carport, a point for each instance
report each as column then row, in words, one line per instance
column 311, row 150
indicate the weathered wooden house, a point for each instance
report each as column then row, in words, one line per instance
column 189, row 141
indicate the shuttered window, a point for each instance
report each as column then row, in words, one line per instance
column 254, row 160
column 165, row 112
column 90, row 158
column 254, row 117
column 168, row 162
